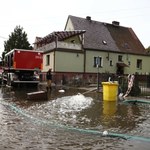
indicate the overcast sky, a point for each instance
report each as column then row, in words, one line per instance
column 41, row 17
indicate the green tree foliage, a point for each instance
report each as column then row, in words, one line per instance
column 17, row 39
column 148, row 48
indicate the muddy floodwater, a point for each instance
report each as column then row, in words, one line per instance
column 71, row 121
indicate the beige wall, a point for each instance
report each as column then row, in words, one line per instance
column 69, row 26
column 105, row 63
column 68, row 62
column 145, row 64
column 106, row 68
column 74, row 62
column 45, row 66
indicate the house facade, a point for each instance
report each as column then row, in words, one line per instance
column 86, row 47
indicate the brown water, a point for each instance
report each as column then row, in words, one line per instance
column 65, row 121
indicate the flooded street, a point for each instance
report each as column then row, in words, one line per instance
column 71, row 121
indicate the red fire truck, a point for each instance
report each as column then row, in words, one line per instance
column 22, row 67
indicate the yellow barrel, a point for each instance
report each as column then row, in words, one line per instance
column 110, row 91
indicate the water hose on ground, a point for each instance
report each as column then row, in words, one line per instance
column 137, row 101
column 86, row 131
column 89, row 91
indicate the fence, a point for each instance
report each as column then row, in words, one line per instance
column 141, row 85
column 144, row 84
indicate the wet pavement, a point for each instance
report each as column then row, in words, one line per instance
column 69, row 120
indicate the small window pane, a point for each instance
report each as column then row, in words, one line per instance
column 119, row 57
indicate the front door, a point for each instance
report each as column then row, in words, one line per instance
column 120, row 70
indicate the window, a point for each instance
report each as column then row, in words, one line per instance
column 98, row 61
column 47, row 59
column 73, row 41
column 139, row 64
column 129, row 63
column 119, row 57
column 111, row 63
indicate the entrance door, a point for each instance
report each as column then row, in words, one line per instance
column 120, row 68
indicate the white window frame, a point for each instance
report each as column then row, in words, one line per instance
column 98, row 61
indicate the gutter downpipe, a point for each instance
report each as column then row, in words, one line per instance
column 56, row 39
column 84, row 56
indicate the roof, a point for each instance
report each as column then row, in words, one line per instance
column 107, row 37
column 126, row 39
column 59, row 35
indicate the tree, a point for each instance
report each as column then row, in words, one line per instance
column 18, row 39
column 148, row 50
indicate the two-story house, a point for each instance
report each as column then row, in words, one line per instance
column 86, row 47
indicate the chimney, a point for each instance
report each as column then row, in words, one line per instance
column 88, row 18
column 116, row 23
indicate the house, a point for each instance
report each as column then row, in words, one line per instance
column 63, row 53
column 86, row 47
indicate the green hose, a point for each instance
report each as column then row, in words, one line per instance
column 86, row 131
column 137, row 101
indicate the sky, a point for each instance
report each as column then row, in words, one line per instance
column 42, row 17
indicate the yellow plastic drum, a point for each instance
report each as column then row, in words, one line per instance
column 110, row 91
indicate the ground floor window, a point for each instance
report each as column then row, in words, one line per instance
column 139, row 64
column 98, row 61
column 47, row 60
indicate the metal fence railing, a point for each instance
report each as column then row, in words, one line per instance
column 141, row 86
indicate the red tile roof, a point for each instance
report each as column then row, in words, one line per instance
column 59, row 35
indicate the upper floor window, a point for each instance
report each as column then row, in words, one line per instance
column 47, row 59
column 139, row 64
column 73, row 41
column 98, row 61
column 119, row 57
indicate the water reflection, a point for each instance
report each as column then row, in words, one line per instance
column 109, row 108
column 129, row 116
